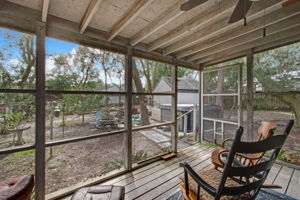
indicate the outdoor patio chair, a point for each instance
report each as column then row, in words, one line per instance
column 99, row 116
column 137, row 118
column 219, row 156
column 231, row 184
column 19, row 188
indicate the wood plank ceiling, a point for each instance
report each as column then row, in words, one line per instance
column 201, row 36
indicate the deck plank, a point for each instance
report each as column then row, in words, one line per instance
column 173, row 182
column 142, row 178
column 158, row 173
column 293, row 189
column 273, row 174
column 283, row 179
column 147, row 167
column 159, row 180
column 162, row 178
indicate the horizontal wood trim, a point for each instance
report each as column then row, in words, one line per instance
column 17, row 149
column 82, row 138
column 151, row 126
column 17, row 90
column 83, row 92
column 154, row 94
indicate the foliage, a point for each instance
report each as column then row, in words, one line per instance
column 118, row 163
column 11, row 121
column 139, row 156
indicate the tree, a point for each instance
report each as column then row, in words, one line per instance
column 139, row 88
column 278, row 70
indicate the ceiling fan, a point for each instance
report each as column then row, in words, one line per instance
column 240, row 10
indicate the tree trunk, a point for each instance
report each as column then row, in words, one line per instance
column 294, row 104
column 139, row 88
column 220, row 89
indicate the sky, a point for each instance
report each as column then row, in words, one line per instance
column 53, row 48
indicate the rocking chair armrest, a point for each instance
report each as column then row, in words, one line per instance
column 235, row 161
column 207, row 187
column 224, row 141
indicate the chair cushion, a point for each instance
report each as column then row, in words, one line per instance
column 212, row 177
column 18, row 188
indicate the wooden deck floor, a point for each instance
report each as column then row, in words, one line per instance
column 160, row 179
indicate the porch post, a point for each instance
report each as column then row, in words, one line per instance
column 250, row 95
column 199, row 133
column 40, row 112
column 128, row 110
column 174, row 108
column 201, row 106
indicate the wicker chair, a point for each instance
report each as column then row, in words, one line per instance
column 19, row 188
column 231, row 184
column 218, row 156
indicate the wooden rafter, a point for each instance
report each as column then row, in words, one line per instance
column 131, row 14
column 241, row 30
column 193, row 24
column 23, row 19
column 89, row 13
column 215, row 28
column 277, row 24
column 290, row 33
column 45, row 10
column 158, row 23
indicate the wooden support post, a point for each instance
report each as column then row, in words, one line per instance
column 250, row 95
column 240, row 95
column 40, row 112
column 174, row 131
column 185, row 121
column 128, row 110
column 195, row 117
column 201, row 105
column 199, row 117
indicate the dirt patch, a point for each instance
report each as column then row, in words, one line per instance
column 76, row 162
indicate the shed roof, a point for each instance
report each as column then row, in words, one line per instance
column 187, row 84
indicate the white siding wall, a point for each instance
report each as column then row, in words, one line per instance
column 183, row 98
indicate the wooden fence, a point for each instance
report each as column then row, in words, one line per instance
column 267, row 102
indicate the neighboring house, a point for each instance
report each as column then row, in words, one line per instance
column 116, row 99
column 187, row 91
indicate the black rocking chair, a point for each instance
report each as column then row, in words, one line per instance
column 236, row 181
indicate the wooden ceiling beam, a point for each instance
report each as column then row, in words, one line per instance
column 45, row 10
column 130, row 15
column 16, row 17
column 216, row 28
column 281, row 37
column 193, row 24
column 158, row 23
column 88, row 14
column 238, row 31
column 258, row 33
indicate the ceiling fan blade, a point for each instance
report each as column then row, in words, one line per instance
column 191, row 4
column 240, row 10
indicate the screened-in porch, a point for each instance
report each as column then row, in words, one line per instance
column 120, row 92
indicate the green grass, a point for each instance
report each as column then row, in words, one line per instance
column 24, row 153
